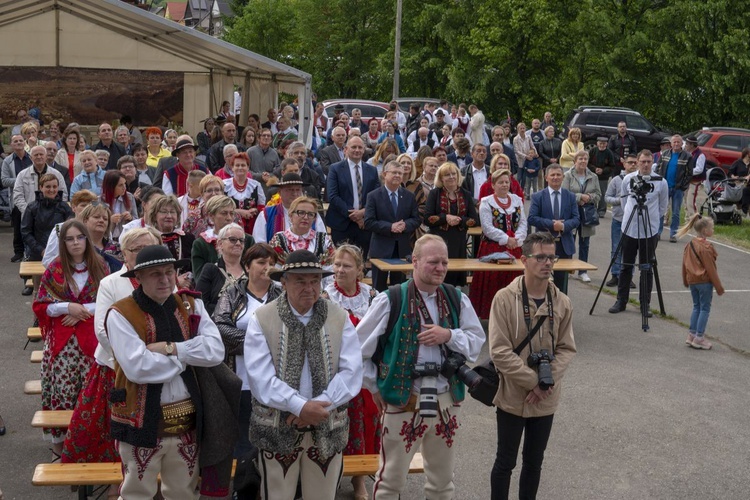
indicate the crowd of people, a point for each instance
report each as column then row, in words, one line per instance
column 197, row 295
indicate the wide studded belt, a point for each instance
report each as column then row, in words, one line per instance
column 177, row 418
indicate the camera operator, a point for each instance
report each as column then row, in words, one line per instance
column 531, row 344
column 415, row 370
column 652, row 191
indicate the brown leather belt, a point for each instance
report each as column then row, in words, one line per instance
column 177, row 418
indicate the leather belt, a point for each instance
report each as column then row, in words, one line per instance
column 177, row 418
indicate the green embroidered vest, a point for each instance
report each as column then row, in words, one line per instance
column 400, row 356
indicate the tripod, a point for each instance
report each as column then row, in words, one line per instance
column 642, row 218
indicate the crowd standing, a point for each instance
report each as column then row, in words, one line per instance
column 198, row 300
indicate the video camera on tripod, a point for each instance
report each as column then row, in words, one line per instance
column 640, row 187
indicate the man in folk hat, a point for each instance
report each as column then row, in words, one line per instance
column 157, row 337
column 275, row 218
column 697, row 165
column 304, row 364
column 175, row 178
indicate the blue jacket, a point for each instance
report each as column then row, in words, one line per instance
column 397, row 137
column 339, row 188
column 540, row 216
column 92, row 182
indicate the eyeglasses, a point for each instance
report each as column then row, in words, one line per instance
column 542, row 257
column 398, row 173
column 167, row 212
column 304, row 214
column 71, row 239
column 233, row 240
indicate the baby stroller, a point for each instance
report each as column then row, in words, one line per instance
column 722, row 196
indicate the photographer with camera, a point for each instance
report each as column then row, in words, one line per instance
column 640, row 189
column 531, row 344
column 415, row 340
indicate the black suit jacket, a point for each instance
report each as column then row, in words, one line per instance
column 379, row 217
column 165, row 164
column 328, row 156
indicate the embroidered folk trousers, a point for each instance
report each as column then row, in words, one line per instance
column 319, row 476
column 403, row 433
column 175, row 458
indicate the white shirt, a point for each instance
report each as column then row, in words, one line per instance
column 352, row 172
column 271, row 391
column 657, row 202
column 480, row 177
column 133, row 224
column 142, row 366
column 468, row 339
column 259, row 230
column 57, row 309
column 242, row 322
column 111, row 289
column 486, row 206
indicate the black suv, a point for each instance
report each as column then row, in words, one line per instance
column 595, row 121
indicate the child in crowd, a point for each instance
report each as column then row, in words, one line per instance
column 699, row 273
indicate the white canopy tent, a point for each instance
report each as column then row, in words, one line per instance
column 116, row 35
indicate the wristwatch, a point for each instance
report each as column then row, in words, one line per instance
column 169, row 348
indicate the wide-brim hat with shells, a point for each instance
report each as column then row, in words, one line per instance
column 300, row 262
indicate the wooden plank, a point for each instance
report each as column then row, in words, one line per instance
column 32, row 387
column 95, row 474
column 58, row 419
column 29, row 282
column 36, row 356
column 98, row 474
column 474, row 265
column 34, row 333
column 29, row 268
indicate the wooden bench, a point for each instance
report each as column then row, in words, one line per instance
column 36, row 356
column 34, row 333
column 58, row 419
column 98, row 474
column 32, row 387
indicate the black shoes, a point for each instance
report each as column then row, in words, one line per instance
column 27, row 290
column 612, row 281
column 632, row 285
column 17, row 257
column 618, row 307
column 2, row 426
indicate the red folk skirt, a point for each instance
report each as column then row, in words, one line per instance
column 486, row 284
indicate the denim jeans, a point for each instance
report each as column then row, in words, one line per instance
column 702, row 294
column 583, row 248
column 675, row 197
column 616, row 236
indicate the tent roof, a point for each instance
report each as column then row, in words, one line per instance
column 129, row 38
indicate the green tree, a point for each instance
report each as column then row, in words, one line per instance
column 264, row 26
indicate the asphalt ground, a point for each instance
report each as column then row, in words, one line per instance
column 642, row 416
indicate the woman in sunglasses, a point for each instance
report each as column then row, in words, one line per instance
column 216, row 277
column 302, row 236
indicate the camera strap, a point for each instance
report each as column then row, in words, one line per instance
column 527, row 318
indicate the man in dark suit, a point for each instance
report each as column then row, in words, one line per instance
column 215, row 157
column 476, row 173
column 460, row 154
column 392, row 215
column 107, row 143
column 348, row 184
column 335, row 152
column 555, row 210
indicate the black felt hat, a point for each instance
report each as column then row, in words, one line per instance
column 152, row 256
column 300, row 262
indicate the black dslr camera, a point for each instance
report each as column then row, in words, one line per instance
column 541, row 360
column 455, row 364
column 640, row 187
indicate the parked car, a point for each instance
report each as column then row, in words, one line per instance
column 722, row 145
column 369, row 109
column 595, row 121
column 405, row 102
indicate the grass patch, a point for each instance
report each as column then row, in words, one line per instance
column 734, row 235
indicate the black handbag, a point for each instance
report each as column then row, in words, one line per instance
column 589, row 215
column 486, row 390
